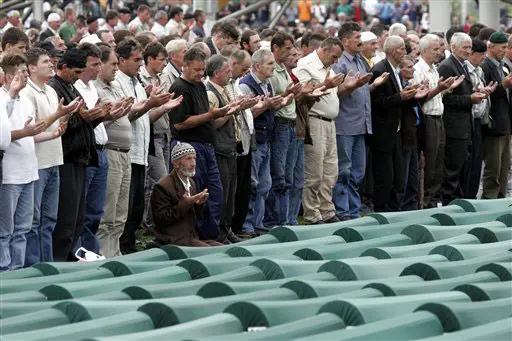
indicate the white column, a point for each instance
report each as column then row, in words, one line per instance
column 489, row 13
column 38, row 10
column 463, row 11
column 439, row 15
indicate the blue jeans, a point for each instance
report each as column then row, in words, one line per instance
column 276, row 205
column 16, row 214
column 409, row 197
column 351, row 167
column 94, row 189
column 208, row 176
column 260, row 187
column 46, row 206
column 295, row 176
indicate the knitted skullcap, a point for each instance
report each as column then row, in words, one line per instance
column 181, row 149
column 498, row 38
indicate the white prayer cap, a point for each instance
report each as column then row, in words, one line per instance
column 367, row 36
column 53, row 17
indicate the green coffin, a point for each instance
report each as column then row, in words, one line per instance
column 461, row 252
column 83, row 289
column 406, row 327
column 320, row 323
column 218, row 324
column 461, row 315
column 474, row 205
column 415, row 288
column 355, row 312
column 497, row 331
column 417, row 249
column 365, row 268
column 404, row 217
column 36, row 283
column 501, row 269
column 491, row 235
column 282, row 249
column 350, row 250
column 486, row 291
column 310, row 289
column 247, row 273
column 295, row 233
column 502, row 215
column 427, row 233
column 217, row 289
column 183, row 252
column 433, row 271
column 273, row 313
column 354, row 234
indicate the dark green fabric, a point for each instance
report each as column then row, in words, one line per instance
column 459, row 315
column 491, row 235
column 501, row 269
column 473, row 205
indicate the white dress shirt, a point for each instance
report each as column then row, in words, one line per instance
column 5, row 125
column 424, row 72
column 131, row 87
column 158, row 30
column 91, row 98
column 311, row 68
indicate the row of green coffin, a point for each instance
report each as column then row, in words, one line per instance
column 396, row 221
column 233, row 269
column 174, row 280
column 267, row 308
column 309, row 286
column 100, row 279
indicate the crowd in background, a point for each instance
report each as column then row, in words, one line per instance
column 116, row 122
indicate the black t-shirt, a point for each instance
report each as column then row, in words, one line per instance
column 195, row 102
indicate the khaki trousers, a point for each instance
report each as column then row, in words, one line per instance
column 320, row 171
column 116, row 203
column 497, row 166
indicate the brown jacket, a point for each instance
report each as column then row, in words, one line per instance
column 175, row 220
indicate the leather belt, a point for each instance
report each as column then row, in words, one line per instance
column 100, row 146
column 120, row 150
column 321, row 118
column 284, row 121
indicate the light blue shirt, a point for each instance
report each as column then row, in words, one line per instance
column 355, row 115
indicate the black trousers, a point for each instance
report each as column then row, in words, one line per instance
column 472, row 170
column 70, row 217
column 435, row 142
column 228, row 178
column 388, row 178
column 455, row 155
column 1, row 172
column 366, row 189
column 135, row 209
column 243, row 190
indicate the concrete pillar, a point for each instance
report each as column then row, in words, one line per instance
column 489, row 13
column 439, row 15
column 38, row 10
column 463, row 11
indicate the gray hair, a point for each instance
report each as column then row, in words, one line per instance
column 258, row 56
column 160, row 14
column 215, row 63
column 174, row 46
column 397, row 29
column 427, row 40
column 459, row 38
column 203, row 46
column 240, row 55
column 392, row 42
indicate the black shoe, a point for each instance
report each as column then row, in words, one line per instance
column 331, row 220
column 232, row 237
